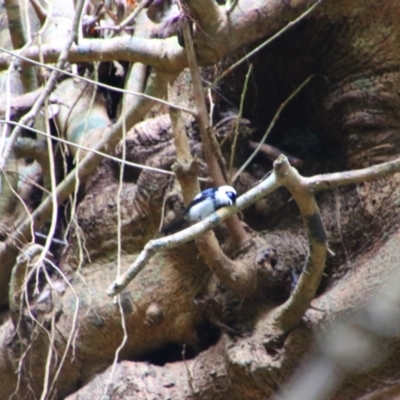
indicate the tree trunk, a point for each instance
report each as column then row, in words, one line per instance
column 251, row 319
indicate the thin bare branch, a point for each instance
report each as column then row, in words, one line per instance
column 177, row 239
column 119, row 255
column 235, row 275
column 239, row 116
column 125, row 48
column 130, row 18
column 330, row 181
column 271, row 125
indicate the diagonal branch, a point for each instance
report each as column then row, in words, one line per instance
column 177, row 239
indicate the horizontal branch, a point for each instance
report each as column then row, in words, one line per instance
column 331, row 181
column 220, row 34
column 162, row 54
column 99, row 84
column 19, row 104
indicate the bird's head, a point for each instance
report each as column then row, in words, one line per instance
column 230, row 192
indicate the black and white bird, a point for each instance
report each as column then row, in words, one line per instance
column 203, row 205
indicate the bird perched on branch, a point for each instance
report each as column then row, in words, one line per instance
column 203, row 205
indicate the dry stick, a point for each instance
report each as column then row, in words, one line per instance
column 119, row 251
column 271, row 125
column 268, row 41
column 290, row 313
column 214, row 169
column 264, row 188
column 135, row 81
column 18, row 279
column 239, row 116
column 54, row 217
column 48, row 87
column 179, row 134
column 272, row 153
column 238, row 234
column 72, row 220
column 331, row 181
column 5, row 129
column 54, row 206
column 33, row 148
column 53, row 184
column 235, row 275
column 161, row 54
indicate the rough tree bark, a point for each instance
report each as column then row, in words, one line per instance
column 224, row 316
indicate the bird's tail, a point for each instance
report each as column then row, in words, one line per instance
column 174, row 226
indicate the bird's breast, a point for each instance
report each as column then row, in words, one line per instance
column 201, row 210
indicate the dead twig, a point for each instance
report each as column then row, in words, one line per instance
column 272, row 153
column 271, row 125
column 238, row 119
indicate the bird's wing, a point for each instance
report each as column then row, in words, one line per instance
column 204, row 194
